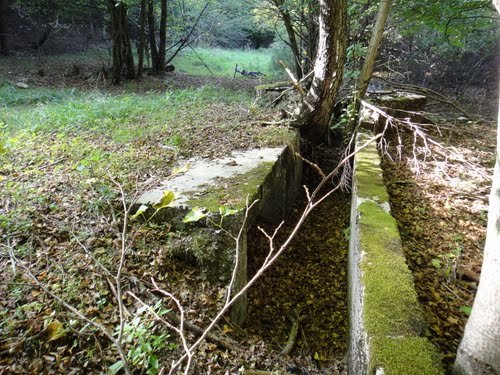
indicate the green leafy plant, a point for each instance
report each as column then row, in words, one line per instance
column 447, row 263
column 144, row 343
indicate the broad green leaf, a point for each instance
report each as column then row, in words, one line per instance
column 140, row 211
column 55, row 330
column 195, row 214
column 114, row 368
column 167, row 198
column 466, row 309
column 226, row 211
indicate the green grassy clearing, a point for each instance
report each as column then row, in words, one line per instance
column 222, row 62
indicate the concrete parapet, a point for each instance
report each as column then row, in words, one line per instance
column 270, row 176
column 386, row 323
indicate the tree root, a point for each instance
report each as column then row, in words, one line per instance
column 292, row 337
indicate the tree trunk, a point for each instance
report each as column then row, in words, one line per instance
column 122, row 47
column 152, row 37
column 479, row 351
column 287, row 20
column 163, row 37
column 142, row 39
column 377, row 34
column 314, row 113
column 4, row 9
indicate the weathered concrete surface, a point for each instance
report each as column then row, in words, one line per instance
column 398, row 104
column 386, row 323
column 270, row 176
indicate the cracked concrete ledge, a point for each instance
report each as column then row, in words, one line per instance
column 386, row 323
column 269, row 176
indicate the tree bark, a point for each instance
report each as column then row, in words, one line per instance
column 314, row 113
column 163, row 36
column 122, row 47
column 4, row 45
column 142, row 39
column 152, row 37
column 479, row 351
column 371, row 55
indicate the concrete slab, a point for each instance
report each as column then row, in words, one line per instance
column 203, row 173
column 386, row 322
column 269, row 176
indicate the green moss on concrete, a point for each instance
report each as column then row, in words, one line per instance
column 404, row 355
column 391, row 305
column 233, row 190
column 368, row 173
column 391, row 313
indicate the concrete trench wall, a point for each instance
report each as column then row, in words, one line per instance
column 271, row 177
column 386, row 323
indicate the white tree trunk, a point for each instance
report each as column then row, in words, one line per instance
column 479, row 351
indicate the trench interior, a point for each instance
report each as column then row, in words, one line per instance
column 310, row 279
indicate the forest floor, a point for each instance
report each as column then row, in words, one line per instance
column 60, row 215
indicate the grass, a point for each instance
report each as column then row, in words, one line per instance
column 70, row 110
column 222, row 61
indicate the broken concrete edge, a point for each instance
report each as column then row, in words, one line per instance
column 272, row 184
column 386, row 321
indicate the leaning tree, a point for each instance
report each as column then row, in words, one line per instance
column 313, row 114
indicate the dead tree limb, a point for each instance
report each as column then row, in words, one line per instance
column 295, row 82
column 186, row 39
column 292, row 337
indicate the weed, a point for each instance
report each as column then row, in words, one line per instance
column 144, row 343
column 447, row 263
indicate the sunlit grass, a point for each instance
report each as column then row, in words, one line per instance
column 222, row 61
column 47, row 110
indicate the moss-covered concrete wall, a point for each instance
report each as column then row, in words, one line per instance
column 385, row 318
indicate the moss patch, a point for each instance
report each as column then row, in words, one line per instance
column 419, row 356
column 368, row 173
column 232, row 192
column 391, row 301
